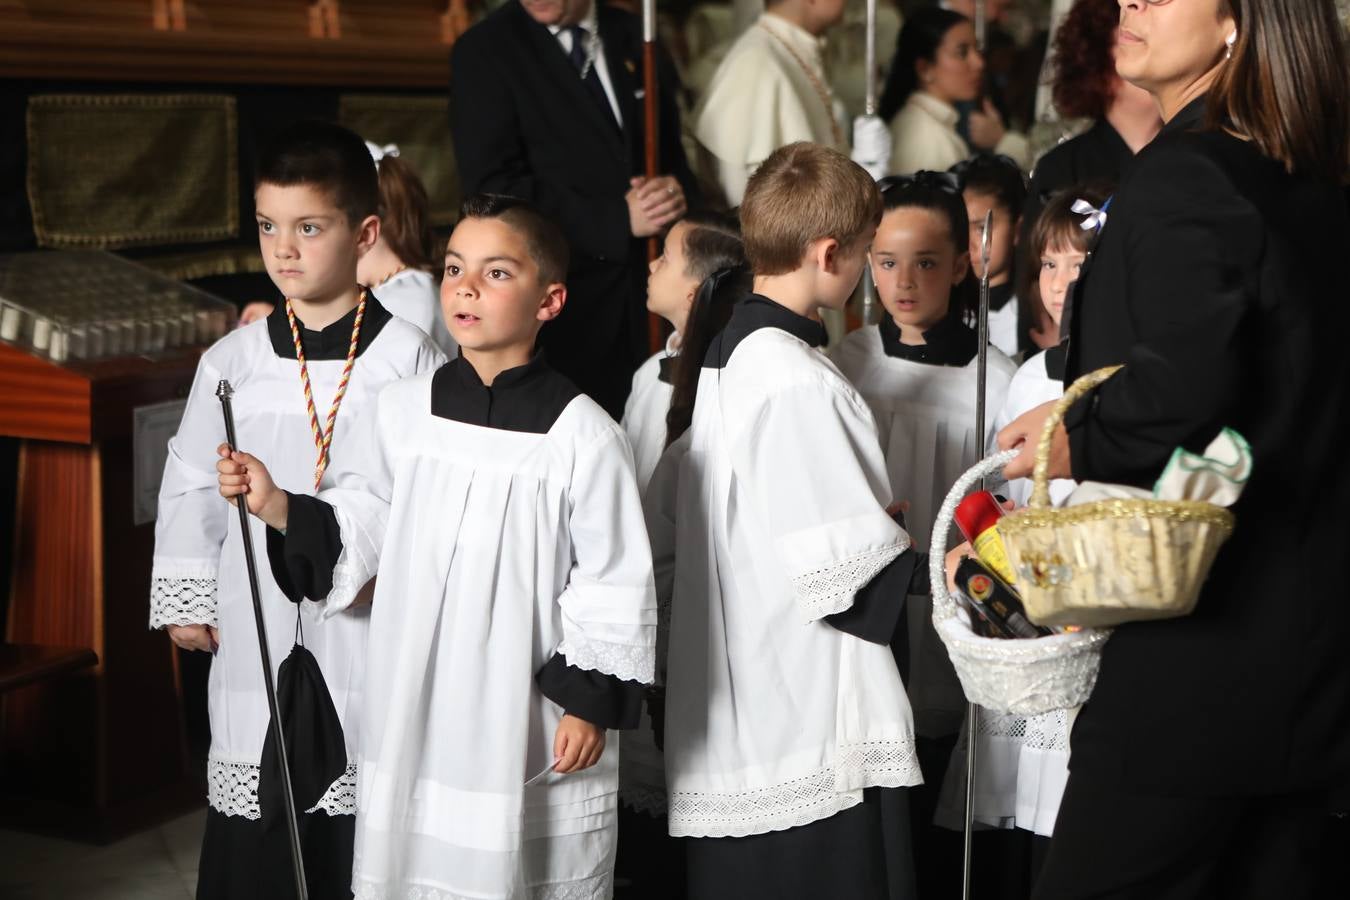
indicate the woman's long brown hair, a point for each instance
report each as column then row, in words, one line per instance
column 1285, row 87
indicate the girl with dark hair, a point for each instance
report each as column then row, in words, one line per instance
column 936, row 65
column 399, row 268
column 679, row 285
column 693, row 285
column 1206, row 761
column 917, row 371
column 1125, row 118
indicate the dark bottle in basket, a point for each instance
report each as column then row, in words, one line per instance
column 997, row 602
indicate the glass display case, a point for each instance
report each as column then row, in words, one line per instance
column 87, row 305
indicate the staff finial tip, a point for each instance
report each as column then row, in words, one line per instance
column 223, row 389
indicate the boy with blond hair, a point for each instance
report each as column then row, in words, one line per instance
column 788, row 735
column 513, row 618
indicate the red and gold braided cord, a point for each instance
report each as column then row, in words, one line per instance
column 323, row 436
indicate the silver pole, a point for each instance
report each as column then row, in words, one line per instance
column 982, row 368
column 869, row 289
column 981, row 22
column 648, row 21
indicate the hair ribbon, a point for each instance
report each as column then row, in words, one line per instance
column 378, row 153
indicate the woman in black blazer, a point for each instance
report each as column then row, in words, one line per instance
column 1205, row 762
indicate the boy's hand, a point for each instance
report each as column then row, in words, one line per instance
column 653, row 204
column 577, row 745
column 195, row 637
column 243, row 473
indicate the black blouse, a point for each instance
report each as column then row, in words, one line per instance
column 1216, row 282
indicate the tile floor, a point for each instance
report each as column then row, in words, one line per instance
column 159, row 864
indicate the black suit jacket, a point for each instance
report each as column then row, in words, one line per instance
column 524, row 124
column 1216, row 284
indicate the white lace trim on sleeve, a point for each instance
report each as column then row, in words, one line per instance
column 627, row 661
column 831, row 590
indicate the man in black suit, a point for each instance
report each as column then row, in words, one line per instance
column 547, row 104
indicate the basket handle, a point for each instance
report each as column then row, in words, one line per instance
column 944, row 607
column 1040, row 477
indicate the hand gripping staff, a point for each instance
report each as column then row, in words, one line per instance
column 224, row 392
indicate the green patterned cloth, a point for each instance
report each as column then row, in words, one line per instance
column 420, row 126
column 131, row 170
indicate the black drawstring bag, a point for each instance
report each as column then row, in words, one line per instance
column 315, row 744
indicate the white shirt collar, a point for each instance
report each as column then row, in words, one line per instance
column 796, row 37
column 587, row 22
column 941, row 110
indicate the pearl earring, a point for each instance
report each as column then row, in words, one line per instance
column 1231, row 40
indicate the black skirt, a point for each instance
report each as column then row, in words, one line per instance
column 862, row 853
column 243, row 859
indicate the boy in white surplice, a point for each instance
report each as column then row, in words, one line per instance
column 514, row 614
column 332, row 341
column 789, row 737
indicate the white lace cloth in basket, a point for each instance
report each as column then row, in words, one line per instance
column 232, row 789
column 1027, row 677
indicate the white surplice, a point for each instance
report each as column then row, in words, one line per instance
column 414, row 296
column 644, row 413
column 642, row 777
column 496, row 549
column 925, row 416
column 774, row 718
column 199, row 576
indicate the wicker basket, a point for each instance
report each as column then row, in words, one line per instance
column 1028, row 676
column 1112, row 561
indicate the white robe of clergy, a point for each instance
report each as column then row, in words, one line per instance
column 769, row 91
column 1023, row 760
column 198, row 575
column 923, row 398
column 414, row 296
column 506, row 528
column 775, row 717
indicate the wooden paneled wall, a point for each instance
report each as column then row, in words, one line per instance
column 400, row 43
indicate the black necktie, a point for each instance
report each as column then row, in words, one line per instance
column 591, row 79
